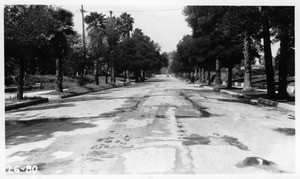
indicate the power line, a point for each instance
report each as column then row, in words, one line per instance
column 153, row 10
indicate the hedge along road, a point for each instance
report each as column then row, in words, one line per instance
column 162, row 126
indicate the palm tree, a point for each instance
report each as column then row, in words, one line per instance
column 58, row 41
column 243, row 20
column 125, row 25
column 96, row 33
column 112, row 34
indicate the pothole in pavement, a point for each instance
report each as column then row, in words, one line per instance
column 98, row 155
column 201, row 109
column 182, row 116
column 108, row 147
column 291, row 117
column 195, row 139
column 160, row 116
column 137, row 103
column 234, row 142
column 258, row 163
column 286, row 131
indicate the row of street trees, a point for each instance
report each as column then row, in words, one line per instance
column 122, row 52
column 224, row 36
column 40, row 39
column 33, row 34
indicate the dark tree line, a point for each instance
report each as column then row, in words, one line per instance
column 121, row 51
column 224, row 36
column 33, row 34
column 40, row 39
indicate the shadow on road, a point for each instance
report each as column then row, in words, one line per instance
column 45, row 107
column 19, row 132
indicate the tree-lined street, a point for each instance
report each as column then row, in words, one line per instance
column 162, row 126
column 108, row 100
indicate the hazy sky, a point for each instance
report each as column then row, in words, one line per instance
column 165, row 25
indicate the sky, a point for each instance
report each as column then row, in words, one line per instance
column 165, row 25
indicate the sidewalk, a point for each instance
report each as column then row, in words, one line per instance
column 257, row 97
column 43, row 96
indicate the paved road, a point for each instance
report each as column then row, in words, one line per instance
column 162, row 126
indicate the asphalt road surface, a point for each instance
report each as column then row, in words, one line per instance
column 162, row 126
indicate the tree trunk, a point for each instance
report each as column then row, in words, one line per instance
column 203, row 75
column 111, row 74
column 136, row 76
column 106, row 73
column 195, row 74
column 199, row 75
column 218, row 73
column 124, row 76
column 114, row 75
column 144, row 75
column 229, row 82
column 20, row 80
column 127, row 74
column 59, row 75
column 284, row 38
column 268, row 55
column 208, row 77
column 96, row 75
column 247, row 63
column 192, row 77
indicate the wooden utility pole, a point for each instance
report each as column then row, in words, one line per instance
column 83, row 38
column 112, row 77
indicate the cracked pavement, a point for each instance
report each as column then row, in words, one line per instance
column 162, row 126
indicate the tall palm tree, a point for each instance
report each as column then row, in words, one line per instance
column 58, row 41
column 96, row 34
column 112, row 34
column 125, row 25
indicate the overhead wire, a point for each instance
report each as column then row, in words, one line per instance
column 152, row 10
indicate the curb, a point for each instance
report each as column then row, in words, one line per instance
column 45, row 100
column 78, row 94
column 263, row 101
column 25, row 104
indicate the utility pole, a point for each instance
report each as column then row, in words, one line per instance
column 83, row 38
column 112, row 77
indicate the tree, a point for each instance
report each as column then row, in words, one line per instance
column 113, row 38
column 125, row 27
column 24, row 25
column 125, row 23
column 283, row 23
column 244, row 21
column 74, row 58
column 265, row 13
column 205, row 21
column 140, row 54
column 96, row 33
column 58, row 41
